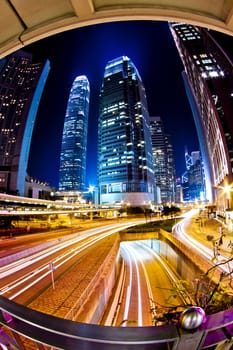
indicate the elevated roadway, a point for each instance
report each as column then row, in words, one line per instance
column 16, row 205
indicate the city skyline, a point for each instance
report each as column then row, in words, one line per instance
column 163, row 84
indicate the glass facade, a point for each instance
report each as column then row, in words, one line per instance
column 194, row 180
column 21, row 85
column 163, row 155
column 208, row 81
column 125, row 161
column 72, row 171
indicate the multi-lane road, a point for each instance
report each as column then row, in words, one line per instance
column 145, row 290
column 28, row 269
column 144, row 285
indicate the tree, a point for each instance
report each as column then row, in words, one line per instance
column 212, row 292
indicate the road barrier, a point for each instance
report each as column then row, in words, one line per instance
column 21, row 324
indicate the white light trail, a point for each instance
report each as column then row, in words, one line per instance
column 151, row 297
column 179, row 232
column 131, row 256
column 170, row 273
column 63, row 258
column 129, row 289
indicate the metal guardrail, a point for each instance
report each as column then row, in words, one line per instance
column 20, row 323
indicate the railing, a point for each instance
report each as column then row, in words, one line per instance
column 46, row 331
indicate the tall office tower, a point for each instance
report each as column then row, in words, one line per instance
column 125, row 161
column 72, row 171
column 171, row 170
column 164, row 161
column 194, row 181
column 208, row 82
column 21, row 85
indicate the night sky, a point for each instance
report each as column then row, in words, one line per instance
column 86, row 51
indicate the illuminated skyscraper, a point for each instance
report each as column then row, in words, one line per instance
column 125, row 161
column 21, row 85
column 164, row 161
column 208, row 81
column 72, row 172
column 194, row 181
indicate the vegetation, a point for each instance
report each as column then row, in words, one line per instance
column 152, row 226
column 213, row 291
column 165, row 211
column 203, row 292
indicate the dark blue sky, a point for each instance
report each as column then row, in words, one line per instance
column 86, row 51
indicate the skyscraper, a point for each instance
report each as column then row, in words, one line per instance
column 163, row 160
column 194, row 181
column 208, row 82
column 72, row 171
column 125, row 161
column 21, row 85
column 171, row 170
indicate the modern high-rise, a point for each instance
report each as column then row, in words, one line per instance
column 21, row 85
column 72, row 171
column 125, row 160
column 208, row 80
column 163, row 161
column 194, row 180
column 171, row 169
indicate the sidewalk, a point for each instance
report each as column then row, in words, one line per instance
column 203, row 228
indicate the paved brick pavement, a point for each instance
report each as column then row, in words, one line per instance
column 73, row 287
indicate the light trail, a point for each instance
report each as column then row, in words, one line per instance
column 172, row 276
column 129, row 290
column 58, row 245
column 132, row 252
column 63, row 258
column 150, row 294
column 180, row 233
column 137, row 258
column 30, row 252
column 25, row 262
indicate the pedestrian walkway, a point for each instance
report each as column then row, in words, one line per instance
column 210, row 232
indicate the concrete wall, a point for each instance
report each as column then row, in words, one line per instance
column 94, row 306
